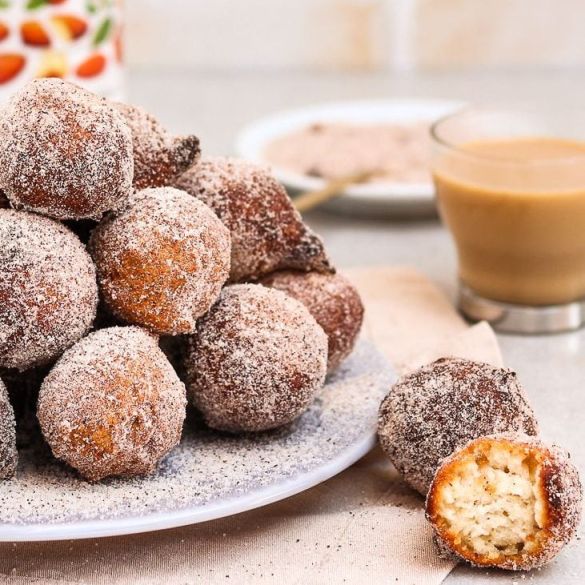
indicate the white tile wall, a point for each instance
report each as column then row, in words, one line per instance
column 355, row 34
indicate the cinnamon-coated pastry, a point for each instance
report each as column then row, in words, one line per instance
column 64, row 151
column 439, row 407
column 257, row 360
column 112, row 405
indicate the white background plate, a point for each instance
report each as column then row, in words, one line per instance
column 388, row 199
column 210, row 475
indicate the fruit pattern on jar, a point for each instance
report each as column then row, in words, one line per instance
column 78, row 40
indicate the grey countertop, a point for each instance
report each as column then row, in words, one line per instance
column 552, row 368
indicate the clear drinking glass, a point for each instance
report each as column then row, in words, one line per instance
column 511, row 190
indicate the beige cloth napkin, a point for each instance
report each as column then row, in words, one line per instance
column 363, row 526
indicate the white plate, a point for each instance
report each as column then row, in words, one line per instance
column 372, row 199
column 210, row 475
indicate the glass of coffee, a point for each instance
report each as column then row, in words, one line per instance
column 511, row 190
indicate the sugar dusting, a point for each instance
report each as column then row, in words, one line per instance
column 162, row 260
column 208, row 467
column 440, row 407
column 267, row 232
column 159, row 157
column 257, row 360
column 112, row 404
column 64, row 151
column 8, row 454
column 48, row 290
column 332, row 300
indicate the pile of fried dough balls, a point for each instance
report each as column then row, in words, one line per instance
column 117, row 239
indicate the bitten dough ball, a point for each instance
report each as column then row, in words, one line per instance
column 159, row 157
column 257, row 360
column 112, row 405
column 48, row 290
column 162, row 261
column 505, row 501
column 268, row 234
column 64, row 152
column 8, row 455
column 332, row 300
column 440, row 407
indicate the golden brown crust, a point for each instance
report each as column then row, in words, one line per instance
column 559, row 488
column 162, row 261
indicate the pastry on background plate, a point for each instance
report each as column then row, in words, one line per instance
column 506, row 501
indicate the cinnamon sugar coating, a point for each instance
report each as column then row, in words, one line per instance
column 332, row 300
column 268, row 234
column 507, row 501
column 440, row 407
column 112, row 405
column 8, row 454
column 162, row 260
column 48, row 290
column 64, row 152
column 257, row 360
column 159, row 156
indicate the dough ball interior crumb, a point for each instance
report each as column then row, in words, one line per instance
column 493, row 505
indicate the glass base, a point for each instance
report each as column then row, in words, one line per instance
column 510, row 318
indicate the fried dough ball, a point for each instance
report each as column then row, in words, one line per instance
column 8, row 454
column 257, row 360
column 268, row 234
column 505, row 501
column 161, row 261
column 440, row 407
column 159, row 157
column 332, row 300
column 48, row 290
column 112, row 405
column 64, row 152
